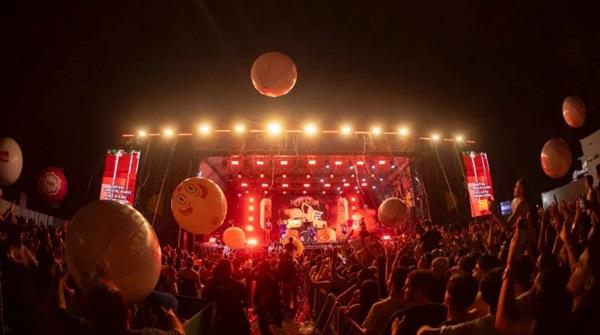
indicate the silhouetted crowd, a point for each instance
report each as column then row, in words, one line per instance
column 535, row 272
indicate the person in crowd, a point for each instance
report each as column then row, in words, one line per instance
column 420, row 289
column 290, row 247
column 591, row 194
column 490, row 287
column 368, row 294
column 379, row 317
column 460, row 295
column 288, row 274
column 230, row 298
column 188, row 279
column 431, row 238
column 267, row 300
column 168, row 277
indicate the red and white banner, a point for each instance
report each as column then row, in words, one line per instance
column 120, row 172
column 479, row 181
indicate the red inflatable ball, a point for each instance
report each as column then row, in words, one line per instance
column 52, row 185
column 234, row 238
column 574, row 111
column 273, row 74
column 556, row 158
column 392, row 213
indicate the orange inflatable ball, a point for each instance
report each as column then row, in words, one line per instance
column 108, row 240
column 199, row 205
column 234, row 238
column 392, row 213
column 556, row 158
column 574, row 111
column 273, row 74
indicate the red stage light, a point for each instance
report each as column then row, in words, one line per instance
column 235, row 162
column 353, row 208
column 283, row 162
column 338, row 163
column 306, row 185
column 264, row 185
column 251, row 199
column 346, row 184
column 327, row 185
column 284, row 192
column 251, row 208
column 331, row 175
column 381, row 162
column 284, row 185
column 387, row 237
column 239, row 176
column 262, row 175
column 244, row 184
column 212, row 240
column 251, row 218
column 260, row 163
column 312, row 162
column 323, row 192
column 307, row 176
column 304, row 192
column 360, row 163
column 249, row 228
column 283, row 176
column 353, row 199
column 344, row 180
column 363, row 184
column 252, row 241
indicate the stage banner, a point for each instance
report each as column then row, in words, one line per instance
column 479, row 182
column 120, row 172
column 323, row 235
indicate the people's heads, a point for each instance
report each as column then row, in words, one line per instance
column 189, row 262
column 290, row 240
column 397, row 280
column 521, row 188
column 14, row 236
column 490, row 288
column 485, row 263
column 585, row 279
column 440, row 266
column 223, row 269
column 467, row 263
column 107, row 310
column 368, row 293
column 421, row 286
column 523, row 270
column 461, row 291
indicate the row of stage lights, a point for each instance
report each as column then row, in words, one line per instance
column 310, row 130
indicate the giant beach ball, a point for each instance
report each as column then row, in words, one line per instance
column 574, row 111
column 199, row 205
column 52, row 185
column 234, row 238
column 556, row 158
column 273, row 74
column 108, row 240
column 11, row 161
column 392, row 213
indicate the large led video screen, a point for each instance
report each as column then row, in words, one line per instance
column 479, row 181
column 118, row 179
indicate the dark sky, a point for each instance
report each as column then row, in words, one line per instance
column 77, row 74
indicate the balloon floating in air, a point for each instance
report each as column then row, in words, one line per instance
column 574, row 111
column 199, row 205
column 11, row 161
column 392, row 213
column 273, row 74
column 108, row 240
column 234, row 238
column 556, row 158
column 52, row 185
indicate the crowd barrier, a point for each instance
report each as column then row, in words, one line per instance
column 28, row 214
column 328, row 315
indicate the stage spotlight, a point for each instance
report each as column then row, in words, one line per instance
column 142, row 133
column 204, row 129
column 376, row 131
column 274, row 128
column 249, row 228
column 212, row 240
column 251, row 208
column 251, row 199
column 387, row 237
column 252, row 241
column 239, row 128
column 307, row 176
column 403, row 131
column 251, row 218
column 360, row 163
column 262, row 175
column 264, row 185
column 310, row 129
column 435, row 137
column 459, row 138
column 304, row 192
column 346, row 130
column 312, row 162
column 284, row 176
column 168, row 132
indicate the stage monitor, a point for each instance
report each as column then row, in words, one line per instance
column 479, row 181
column 118, row 179
column 505, row 208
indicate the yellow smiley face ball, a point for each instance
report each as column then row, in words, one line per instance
column 199, row 205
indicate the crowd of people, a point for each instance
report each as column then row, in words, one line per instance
column 535, row 272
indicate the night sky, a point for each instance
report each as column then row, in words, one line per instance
column 78, row 74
